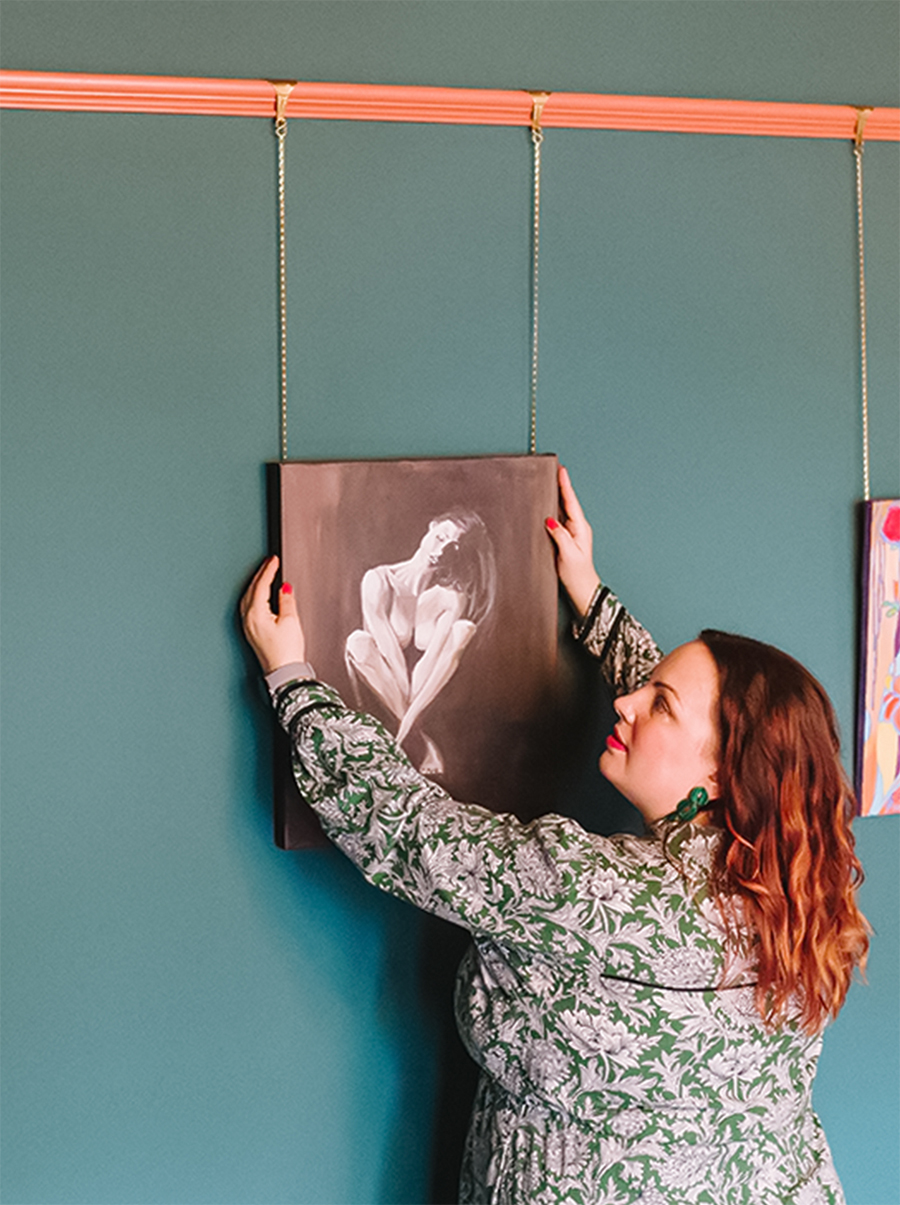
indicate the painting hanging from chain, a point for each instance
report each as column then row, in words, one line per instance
column 878, row 738
column 429, row 598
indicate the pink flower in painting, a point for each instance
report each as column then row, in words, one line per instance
column 890, row 528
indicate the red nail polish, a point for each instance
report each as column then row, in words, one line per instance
column 552, row 524
column 287, row 588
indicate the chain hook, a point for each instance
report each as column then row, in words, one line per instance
column 861, row 114
column 283, row 89
column 538, row 100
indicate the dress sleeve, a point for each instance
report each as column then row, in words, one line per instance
column 540, row 885
column 625, row 649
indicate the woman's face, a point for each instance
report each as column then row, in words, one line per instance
column 437, row 537
column 665, row 741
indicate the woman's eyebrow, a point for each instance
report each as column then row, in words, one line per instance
column 658, row 682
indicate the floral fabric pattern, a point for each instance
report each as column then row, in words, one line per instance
column 626, row 650
column 622, row 1058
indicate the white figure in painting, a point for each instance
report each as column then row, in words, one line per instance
column 419, row 616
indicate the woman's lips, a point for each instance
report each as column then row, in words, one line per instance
column 613, row 742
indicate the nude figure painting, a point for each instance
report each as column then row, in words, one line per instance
column 429, row 598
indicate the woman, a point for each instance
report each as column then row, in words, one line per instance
column 419, row 616
column 646, row 1011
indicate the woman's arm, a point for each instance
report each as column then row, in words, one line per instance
column 625, row 649
column 574, row 542
column 546, row 885
column 489, row 873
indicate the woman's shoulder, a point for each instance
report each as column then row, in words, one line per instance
column 572, row 842
column 661, row 854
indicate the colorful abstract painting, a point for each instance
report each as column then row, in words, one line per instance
column 878, row 741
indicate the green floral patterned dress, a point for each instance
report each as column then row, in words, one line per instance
column 620, row 1061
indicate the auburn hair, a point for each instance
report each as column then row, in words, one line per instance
column 786, row 869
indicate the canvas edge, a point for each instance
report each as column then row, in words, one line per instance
column 305, row 832
column 865, row 513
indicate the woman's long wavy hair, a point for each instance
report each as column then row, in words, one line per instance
column 786, row 867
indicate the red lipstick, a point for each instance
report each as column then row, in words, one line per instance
column 613, row 742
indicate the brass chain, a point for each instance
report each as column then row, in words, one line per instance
column 862, row 114
column 539, row 99
column 280, row 132
column 283, row 90
column 537, row 138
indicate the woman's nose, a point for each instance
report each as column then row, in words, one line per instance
column 624, row 708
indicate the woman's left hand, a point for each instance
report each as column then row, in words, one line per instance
column 574, row 542
column 276, row 639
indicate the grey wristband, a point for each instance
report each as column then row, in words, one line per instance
column 294, row 671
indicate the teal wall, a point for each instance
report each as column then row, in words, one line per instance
column 190, row 1015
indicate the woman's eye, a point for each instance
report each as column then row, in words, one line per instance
column 660, row 703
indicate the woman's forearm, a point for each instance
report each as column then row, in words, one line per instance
column 408, row 837
column 625, row 649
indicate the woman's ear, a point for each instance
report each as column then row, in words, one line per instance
column 712, row 782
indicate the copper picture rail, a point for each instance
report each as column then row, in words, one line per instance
column 463, row 106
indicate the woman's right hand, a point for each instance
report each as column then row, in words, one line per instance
column 574, row 542
column 276, row 639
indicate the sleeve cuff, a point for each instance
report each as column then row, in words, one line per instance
column 581, row 627
column 294, row 671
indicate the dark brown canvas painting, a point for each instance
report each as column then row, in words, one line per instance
column 428, row 594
